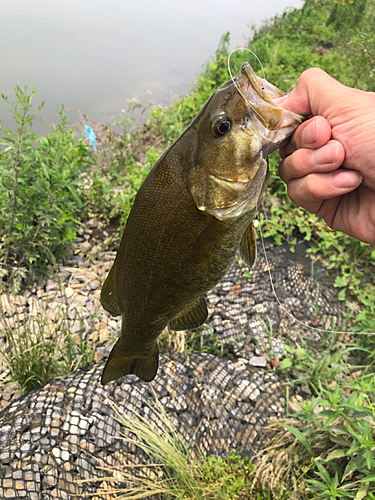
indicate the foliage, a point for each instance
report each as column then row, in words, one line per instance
column 327, row 452
column 39, row 197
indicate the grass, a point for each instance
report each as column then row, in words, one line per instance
column 325, row 451
column 38, row 350
column 175, row 469
column 39, row 345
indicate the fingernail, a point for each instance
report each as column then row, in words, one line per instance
column 346, row 179
column 308, row 134
column 326, row 154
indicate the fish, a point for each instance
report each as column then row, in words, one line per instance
column 190, row 217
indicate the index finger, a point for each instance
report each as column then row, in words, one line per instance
column 314, row 94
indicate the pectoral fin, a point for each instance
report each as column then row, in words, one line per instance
column 192, row 316
column 119, row 363
column 248, row 246
column 108, row 295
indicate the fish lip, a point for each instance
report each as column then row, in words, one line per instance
column 261, row 97
column 264, row 90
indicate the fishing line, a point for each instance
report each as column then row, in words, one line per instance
column 230, row 72
column 305, row 325
column 288, row 313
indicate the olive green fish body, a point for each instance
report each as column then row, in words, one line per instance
column 190, row 217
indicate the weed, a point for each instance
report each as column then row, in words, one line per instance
column 203, row 339
column 39, row 345
column 326, row 452
column 175, row 470
column 39, row 193
column 321, row 369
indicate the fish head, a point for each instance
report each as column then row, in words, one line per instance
column 235, row 131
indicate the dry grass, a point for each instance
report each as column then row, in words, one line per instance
column 280, row 468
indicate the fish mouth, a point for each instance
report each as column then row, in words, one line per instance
column 260, row 95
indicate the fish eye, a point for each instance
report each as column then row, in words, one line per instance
column 221, row 127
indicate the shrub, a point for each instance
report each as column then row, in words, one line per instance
column 39, row 197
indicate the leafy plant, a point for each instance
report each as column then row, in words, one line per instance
column 39, row 193
column 326, row 452
column 317, row 370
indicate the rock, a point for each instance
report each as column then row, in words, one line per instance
column 5, row 304
column 258, row 361
column 94, row 285
column 103, row 333
column 69, row 292
column 85, row 247
column 95, row 251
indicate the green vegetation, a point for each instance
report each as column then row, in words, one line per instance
column 327, row 451
column 39, row 193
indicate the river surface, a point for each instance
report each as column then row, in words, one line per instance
column 95, row 55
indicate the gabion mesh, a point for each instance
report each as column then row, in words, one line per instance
column 56, row 442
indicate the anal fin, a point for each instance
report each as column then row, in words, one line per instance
column 144, row 365
column 248, row 246
column 192, row 316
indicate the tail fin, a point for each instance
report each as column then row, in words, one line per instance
column 119, row 364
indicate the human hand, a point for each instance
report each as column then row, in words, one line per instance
column 329, row 163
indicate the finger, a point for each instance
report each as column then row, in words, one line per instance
column 311, row 134
column 306, row 161
column 310, row 191
column 314, row 94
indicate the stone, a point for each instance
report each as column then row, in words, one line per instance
column 69, row 292
column 103, row 333
column 258, row 361
column 94, row 285
column 85, row 247
column 6, row 305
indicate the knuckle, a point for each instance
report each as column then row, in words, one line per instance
column 311, row 74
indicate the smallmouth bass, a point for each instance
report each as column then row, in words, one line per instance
column 190, row 217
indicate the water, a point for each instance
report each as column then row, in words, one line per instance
column 94, row 55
